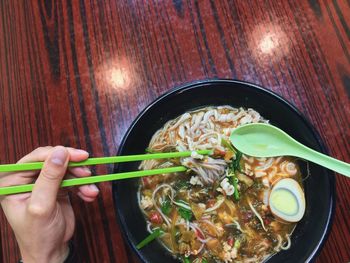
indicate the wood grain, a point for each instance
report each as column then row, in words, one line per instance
column 78, row 72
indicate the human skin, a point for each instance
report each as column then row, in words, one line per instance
column 43, row 221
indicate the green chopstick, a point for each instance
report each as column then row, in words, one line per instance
column 94, row 179
column 102, row 160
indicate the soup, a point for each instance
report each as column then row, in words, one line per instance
column 218, row 210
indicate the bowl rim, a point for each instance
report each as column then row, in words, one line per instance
column 191, row 85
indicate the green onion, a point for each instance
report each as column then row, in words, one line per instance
column 204, row 260
column 237, row 244
column 156, row 233
column 236, row 162
column 234, row 181
column 235, row 167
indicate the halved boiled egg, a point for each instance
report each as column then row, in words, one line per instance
column 287, row 200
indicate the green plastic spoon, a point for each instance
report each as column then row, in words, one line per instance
column 265, row 140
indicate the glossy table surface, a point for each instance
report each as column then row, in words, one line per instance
column 78, row 72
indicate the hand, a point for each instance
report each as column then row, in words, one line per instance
column 43, row 221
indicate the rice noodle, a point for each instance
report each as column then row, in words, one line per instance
column 291, row 169
column 288, row 245
column 209, row 170
column 181, row 204
column 196, row 121
column 263, row 245
column 195, row 228
column 206, row 136
column 206, row 217
column 211, row 224
column 207, row 115
column 148, row 164
column 257, row 215
column 239, row 115
column 265, row 258
column 259, row 173
column 238, row 226
column 266, row 197
column 288, row 168
column 307, row 170
column 279, row 244
column 200, row 249
column 272, row 173
column 248, row 260
column 216, row 206
column 266, row 165
column 149, row 227
column 166, row 219
column 182, row 119
column 249, row 159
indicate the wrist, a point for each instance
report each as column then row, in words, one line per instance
column 58, row 255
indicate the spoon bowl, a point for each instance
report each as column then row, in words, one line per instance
column 265, row 140
column 262, row 140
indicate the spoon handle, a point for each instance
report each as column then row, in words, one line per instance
column 324, row 160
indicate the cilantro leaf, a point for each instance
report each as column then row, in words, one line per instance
column 166, row 207
column 185, row 213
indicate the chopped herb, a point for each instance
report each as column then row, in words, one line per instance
column 185, row 213
column 186, row 260
column 257, row 185
column 166, row 207
column 181, row 184
column 156, row 233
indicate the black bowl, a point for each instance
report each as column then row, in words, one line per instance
column 309, row 234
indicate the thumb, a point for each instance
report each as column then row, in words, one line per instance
column 44, row 195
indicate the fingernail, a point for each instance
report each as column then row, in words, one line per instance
column 59, row 156
column 87, row 170
column 81, row 151
column 93, row 188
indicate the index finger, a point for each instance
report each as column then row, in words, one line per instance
column 40, row 154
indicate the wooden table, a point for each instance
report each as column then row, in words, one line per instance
column 78, row 72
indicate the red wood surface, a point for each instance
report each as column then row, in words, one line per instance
column 78, row 72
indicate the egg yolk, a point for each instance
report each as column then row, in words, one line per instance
column 284, row 201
